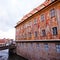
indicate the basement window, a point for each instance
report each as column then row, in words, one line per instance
column 37, row 45
column 46, row 46
column 58, row 48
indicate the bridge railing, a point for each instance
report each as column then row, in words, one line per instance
column 2, row 44
column 8, row 43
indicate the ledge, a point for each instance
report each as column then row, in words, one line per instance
column 31, row 41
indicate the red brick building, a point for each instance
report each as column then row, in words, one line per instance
column 38, row 32
column 2, row 41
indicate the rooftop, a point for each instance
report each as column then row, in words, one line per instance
column 43, row 5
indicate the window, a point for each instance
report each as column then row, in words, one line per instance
column 43, row 33
column 54, row 30
column 35, row 33
column 21, row 27
column 52, row 0
column 31, row 44
column 21, row 35
column 52, row 13
column 35, row 21
column 30, row 23
column 25, row 35
column 30, row 34
column 37, row 45
column 58, row 48
column 21, row 44
column 42, row 17
column 24, row 44
column 46, row 46
column 25, row 26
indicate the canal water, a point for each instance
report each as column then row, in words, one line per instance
column 4, row 55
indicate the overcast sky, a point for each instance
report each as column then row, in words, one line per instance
column 11, row 11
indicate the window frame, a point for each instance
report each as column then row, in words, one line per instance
column 58, row 48
column 37, row 45
column 52, row 13
column 46, row 46
column 35, row 21
column 42, row 17
column 36, row 34
column 54, row 30
column 43, row 32
column 30, row 34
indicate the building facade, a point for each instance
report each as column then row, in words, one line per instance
column 42, row 22
column 38, row 32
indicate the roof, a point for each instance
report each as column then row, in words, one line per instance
column 46, row 3
column 2, row 41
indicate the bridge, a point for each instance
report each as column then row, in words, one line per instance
column 3, row 47
column 10, row 45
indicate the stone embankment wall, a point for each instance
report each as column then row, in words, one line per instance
column 39, row 50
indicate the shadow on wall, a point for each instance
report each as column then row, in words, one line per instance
column 16, row 57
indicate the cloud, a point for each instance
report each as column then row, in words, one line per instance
column 11, row 11
column 8, row 34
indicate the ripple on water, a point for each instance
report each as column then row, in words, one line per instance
column 4, row 54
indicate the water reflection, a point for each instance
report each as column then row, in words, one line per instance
column 5, row 56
